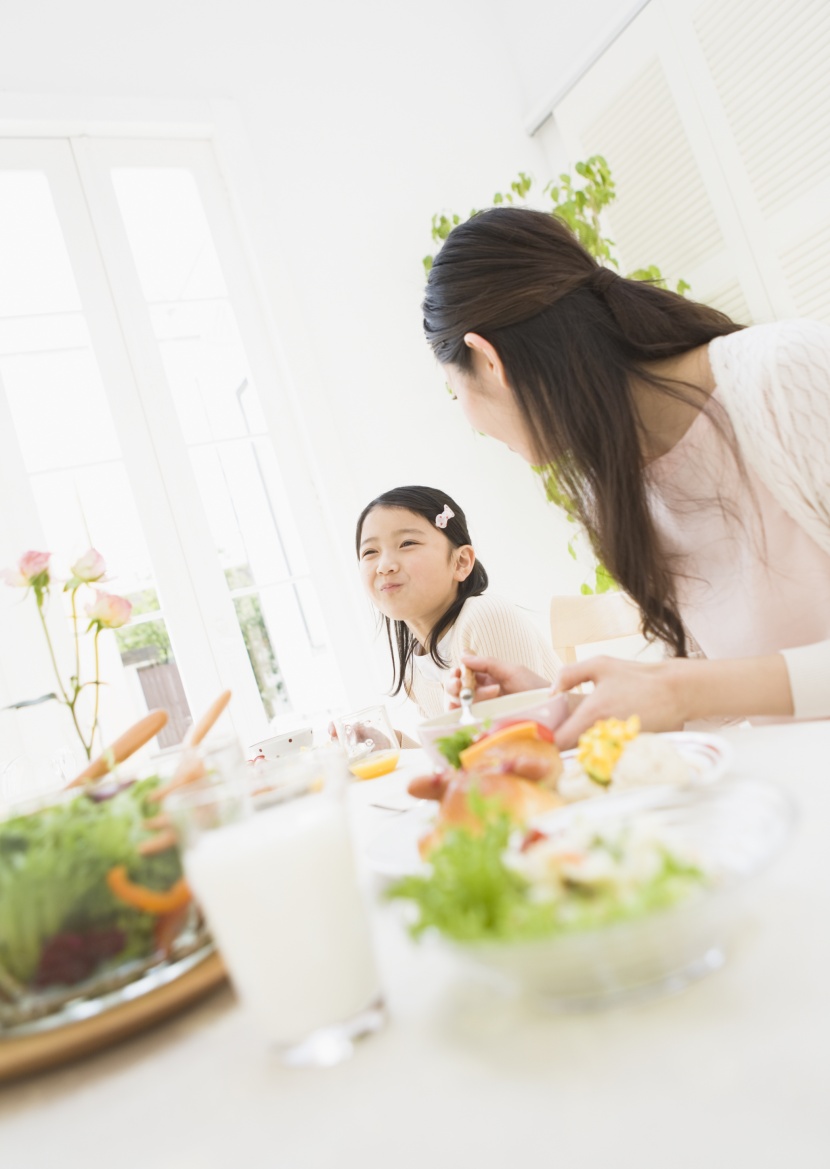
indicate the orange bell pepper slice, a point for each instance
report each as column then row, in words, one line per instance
column 147, row 900
column 523, row 730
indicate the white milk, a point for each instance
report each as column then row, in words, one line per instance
column 280, row 895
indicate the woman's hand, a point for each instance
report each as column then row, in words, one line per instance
column 492, row 679
column 622, row 688
column 668, row 694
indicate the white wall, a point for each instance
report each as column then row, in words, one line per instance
column 363, row 118
column 547, row 43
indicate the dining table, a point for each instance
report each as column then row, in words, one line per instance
column 732, row 1072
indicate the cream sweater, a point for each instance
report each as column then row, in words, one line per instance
column 774, row 383
column 491, row 627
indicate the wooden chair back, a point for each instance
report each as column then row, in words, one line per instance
column 580, row 620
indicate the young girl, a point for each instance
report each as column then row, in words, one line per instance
column 420, row 570
column 695, row 453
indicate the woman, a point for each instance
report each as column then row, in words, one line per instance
column 695, row 453
column 420, row 570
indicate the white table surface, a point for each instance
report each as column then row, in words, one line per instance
column 734, row 1072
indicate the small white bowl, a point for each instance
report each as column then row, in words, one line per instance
column 278, row 746
column 540, row 705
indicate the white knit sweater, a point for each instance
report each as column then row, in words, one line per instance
column 489, row 626
column 774, row 383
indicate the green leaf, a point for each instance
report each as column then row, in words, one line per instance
column 472, row 893
column 451, row 746
column 604, row 581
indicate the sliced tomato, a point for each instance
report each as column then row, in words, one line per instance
column 532, row 837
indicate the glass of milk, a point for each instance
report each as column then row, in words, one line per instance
column 279, row 890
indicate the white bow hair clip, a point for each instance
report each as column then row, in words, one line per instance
column 446, row 514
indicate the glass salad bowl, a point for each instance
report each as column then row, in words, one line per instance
column 608, row 901
column 86, row 907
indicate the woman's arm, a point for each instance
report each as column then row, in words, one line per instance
column 668, row 694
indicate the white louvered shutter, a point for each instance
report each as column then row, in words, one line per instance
column 715, row 119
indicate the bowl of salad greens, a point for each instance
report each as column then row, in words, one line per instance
column 84, row 908
column 611, row 900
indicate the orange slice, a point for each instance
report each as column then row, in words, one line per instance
column 470, row 756
column 376, row 764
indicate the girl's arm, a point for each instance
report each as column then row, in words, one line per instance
column 496, row 630
column 492, row 627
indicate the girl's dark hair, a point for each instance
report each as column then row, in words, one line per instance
column 429, row 503
column 573, row 336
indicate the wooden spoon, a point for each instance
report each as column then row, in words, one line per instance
column 133, row 738
column 198, row 730
column 190, row 767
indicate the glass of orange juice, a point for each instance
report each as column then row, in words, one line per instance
column 369, row 740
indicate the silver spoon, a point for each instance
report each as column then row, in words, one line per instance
column 466, row 699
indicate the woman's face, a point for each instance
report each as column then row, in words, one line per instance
column 408, row 566
column 488, row 403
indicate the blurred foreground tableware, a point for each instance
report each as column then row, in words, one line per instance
column 369, row 740
column 84, row 915
column 87, row 1025
column 279, row 890
column 276, row 746
column 635, row 922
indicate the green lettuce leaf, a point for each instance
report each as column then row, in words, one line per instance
column 53, row 868
column 452, row 745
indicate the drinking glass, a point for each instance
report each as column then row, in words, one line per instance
column 369, row 740
column 279, row 890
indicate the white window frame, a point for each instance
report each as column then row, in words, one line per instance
column 196, row 601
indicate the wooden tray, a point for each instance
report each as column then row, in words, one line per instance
column 20, row 1055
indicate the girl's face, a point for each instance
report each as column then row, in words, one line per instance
column 409, row 568
column 488, row 402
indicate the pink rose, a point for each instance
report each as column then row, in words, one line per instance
column 89, row 567
column 31, row 567
column 108, row 611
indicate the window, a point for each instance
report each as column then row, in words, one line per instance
column 143, row 401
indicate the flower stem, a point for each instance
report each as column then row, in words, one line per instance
column 70, row 703
column 97, row 690
column 51, row 650
column 75, row 635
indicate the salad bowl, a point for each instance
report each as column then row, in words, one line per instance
column 652, row 888
column 84, row 910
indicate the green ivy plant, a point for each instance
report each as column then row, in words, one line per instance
column 578, row 199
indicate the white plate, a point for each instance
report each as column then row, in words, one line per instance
column 707, row 755
column 394, row 851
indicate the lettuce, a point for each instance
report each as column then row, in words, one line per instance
column 53, row 867
column 452, row 745
column 472, row 894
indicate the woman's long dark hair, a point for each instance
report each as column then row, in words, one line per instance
column 573, row 337
column 429, row 503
